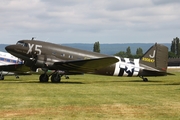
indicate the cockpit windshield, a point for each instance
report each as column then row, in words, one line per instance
column 22, row 44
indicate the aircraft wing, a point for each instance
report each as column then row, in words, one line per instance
column 87, row 65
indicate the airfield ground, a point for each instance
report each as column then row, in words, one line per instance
column 91, row 97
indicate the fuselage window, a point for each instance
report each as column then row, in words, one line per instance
column 8, row 60
column 54, row 53
column 70, row 56
column 62, row 55
column 14, row 61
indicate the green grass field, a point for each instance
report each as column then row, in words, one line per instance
column 87, row 97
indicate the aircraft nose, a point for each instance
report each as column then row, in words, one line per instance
column 9, row 48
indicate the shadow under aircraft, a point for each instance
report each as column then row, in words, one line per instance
column 65, row 60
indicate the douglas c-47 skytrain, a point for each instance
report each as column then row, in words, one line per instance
column 66, row 60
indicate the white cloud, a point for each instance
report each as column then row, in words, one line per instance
column 107, row 21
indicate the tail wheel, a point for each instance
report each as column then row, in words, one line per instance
column 55, row 78
column 145, row 79
column 43, row 78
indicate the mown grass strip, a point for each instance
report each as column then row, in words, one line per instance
column 90, row 97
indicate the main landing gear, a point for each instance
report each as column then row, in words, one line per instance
column 43, row 78
column 55, row 77
column 1, row 77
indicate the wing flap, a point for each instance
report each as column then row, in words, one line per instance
column 88, row 65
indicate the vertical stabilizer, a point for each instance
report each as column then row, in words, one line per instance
column 156, row 57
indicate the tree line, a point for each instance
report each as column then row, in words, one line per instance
column 173, row 53
column 139, row 51
column 128, row 54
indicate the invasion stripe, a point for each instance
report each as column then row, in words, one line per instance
column 121, row 72
column 117, row 69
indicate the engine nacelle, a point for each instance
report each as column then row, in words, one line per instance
column 42, row 61
column 45, row 61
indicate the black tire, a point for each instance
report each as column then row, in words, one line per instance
column 43, row 78
column 2, row 77
column 145, row 79
column 55, row 78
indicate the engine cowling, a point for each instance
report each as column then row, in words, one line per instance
column 42, row 61
column 45, row 61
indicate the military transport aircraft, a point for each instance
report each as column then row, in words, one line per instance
column 64, row 60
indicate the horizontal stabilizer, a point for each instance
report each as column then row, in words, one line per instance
column 170, row 74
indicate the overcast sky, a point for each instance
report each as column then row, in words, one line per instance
column 88, row 21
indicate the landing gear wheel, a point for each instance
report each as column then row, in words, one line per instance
column 66, row 77
column 43, row 78
column 17, row 77
column 1, row 77
column 145, row 79
column 55, row 78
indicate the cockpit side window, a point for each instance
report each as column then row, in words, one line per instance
column 22, row 44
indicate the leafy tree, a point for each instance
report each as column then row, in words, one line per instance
column 96, row 47
column 175, row 47
column 121, row 54
column 171, row 54
column 139, row 52
column 128, row 52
